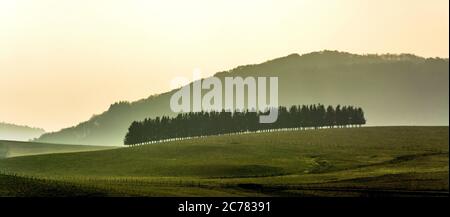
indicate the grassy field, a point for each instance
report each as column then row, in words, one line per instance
column 16, row 148
column 14, row 186
column 370, row 161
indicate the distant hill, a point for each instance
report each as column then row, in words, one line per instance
column 19, row 133
column 393, row 90
column 15, row 148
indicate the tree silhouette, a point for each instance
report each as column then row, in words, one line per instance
column 195, row 124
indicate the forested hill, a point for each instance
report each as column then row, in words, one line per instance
column 392, row 89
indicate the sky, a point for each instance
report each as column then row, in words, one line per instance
column 61, row 61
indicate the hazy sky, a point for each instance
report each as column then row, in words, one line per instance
column 62, row 61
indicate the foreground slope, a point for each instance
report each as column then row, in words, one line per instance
column 13, row 186
column 15, row 148
column 392, row 90
column 327, row 162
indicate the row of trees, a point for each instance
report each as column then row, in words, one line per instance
column 195, row 124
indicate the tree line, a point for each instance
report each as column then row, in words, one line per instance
column 194, row 124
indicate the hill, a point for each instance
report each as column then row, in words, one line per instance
column 19, row 133
column 15, row 148
column 392, row 89
column 368, row 160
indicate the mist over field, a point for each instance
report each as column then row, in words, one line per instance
column 19, row 133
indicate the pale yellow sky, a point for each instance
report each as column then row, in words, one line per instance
column 62, row 61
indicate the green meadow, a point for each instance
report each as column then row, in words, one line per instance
column 367, row 161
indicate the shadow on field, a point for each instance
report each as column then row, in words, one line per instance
column 398, row 185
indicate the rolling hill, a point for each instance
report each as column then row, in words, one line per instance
column 368, row 160
column 392, row 90
column 14, row 148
